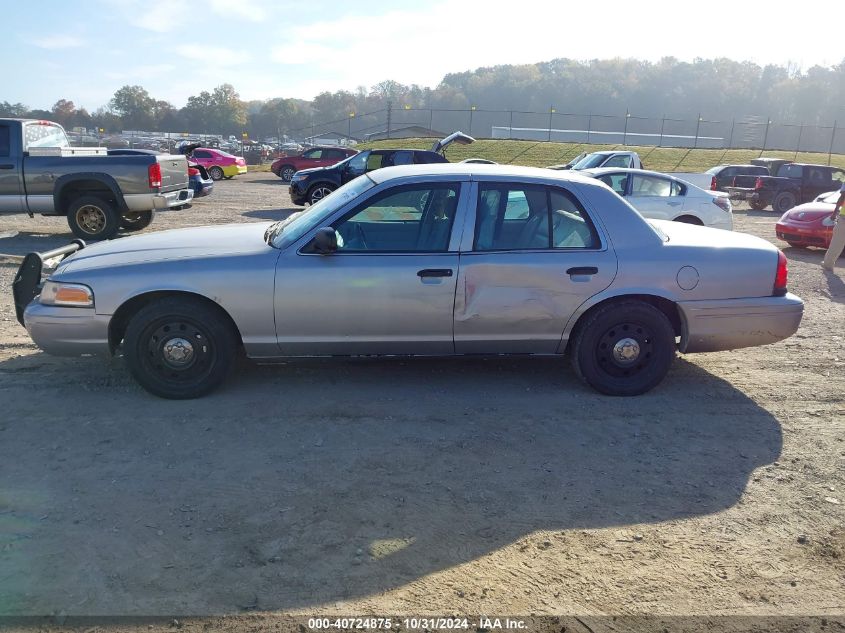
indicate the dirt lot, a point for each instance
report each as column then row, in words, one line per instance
column 408, row 487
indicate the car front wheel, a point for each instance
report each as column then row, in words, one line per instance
column 783, row 202
column 179, row 348
column 137, row 220
column 624, row 348
column 318, row 192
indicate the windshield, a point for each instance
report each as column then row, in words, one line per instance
column 590, row 160
column 44, row 134
column 287, row 231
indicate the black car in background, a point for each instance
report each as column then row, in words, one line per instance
column 723, row 175
column 312, row 185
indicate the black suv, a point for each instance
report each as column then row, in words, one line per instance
column 312, row 185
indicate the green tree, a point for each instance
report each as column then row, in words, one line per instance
column 135, row 107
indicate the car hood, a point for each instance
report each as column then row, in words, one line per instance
column 191, row 243
column 808, row 211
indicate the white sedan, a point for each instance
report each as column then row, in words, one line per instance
column 663, row 197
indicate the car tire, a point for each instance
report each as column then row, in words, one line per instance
column 135, row 221
column 286, row 172
column 318, row 192
column 216, row 172
column 783, row 202
column 757, row 206
column 689, row 219
column 624, row 348
column 93, row 218
column 797, row 245
column 179, row 348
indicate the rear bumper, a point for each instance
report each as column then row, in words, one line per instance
column 712, row 326
column 150, row 201
column 67, row 331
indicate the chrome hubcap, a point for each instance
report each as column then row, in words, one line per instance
column 178, row 352
column 91, row 219
column 626, row 350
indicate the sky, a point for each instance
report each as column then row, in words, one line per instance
column 86, row 49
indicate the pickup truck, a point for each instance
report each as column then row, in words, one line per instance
column 795, row 183
column 41, row 173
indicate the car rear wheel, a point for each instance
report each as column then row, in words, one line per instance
column 179, row 348
column 216, row 173
column 783, row 202
column 624, row 348
column 689, row 219
column 757, row 206
column 318, row 192
column 93, row 218
column 137, row 220
column 286, row 173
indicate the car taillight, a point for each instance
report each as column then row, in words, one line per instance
column 780, row 276
column 193, row 171
column 154, row 172
column 758, row 184
column 723, row 203
column 713, row 183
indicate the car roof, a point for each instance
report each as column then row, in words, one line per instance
column 479, row 169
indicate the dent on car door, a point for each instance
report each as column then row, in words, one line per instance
column 389, row 288
column 536, row 256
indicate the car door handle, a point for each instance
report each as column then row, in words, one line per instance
column 6, row 166
column 582, row 270
column 435, row 272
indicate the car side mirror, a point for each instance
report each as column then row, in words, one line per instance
column 325, row 241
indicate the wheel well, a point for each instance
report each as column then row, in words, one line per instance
column 667, row 307
column 80, row 188
column 124, row 314
column 689, row 219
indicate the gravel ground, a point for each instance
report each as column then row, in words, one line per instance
column 424, row 486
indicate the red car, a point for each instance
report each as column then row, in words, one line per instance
column 287, row 166
column 809, row 224
column 218, row 163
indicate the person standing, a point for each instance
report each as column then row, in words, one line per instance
column 837, row 240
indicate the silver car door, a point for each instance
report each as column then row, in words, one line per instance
column 535, row 258
column 389, row 288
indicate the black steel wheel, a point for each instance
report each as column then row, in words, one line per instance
column 179, row 348
column 624, row 348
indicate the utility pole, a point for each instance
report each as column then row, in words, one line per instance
column 662, row 125
column 551, row 114
column 766, row 135
column 798, row 144
column 830, row 149
column 471, row 110
column 589, row 127
column 389, row 114
column 625, row 133
column 697, row 128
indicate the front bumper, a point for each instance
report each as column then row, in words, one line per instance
column 298, row 195
column 67, row 331
column 712, row 326
column 158, row 201
column 234, row 170
column 804, row 236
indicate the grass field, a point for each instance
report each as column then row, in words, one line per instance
column 543, row 154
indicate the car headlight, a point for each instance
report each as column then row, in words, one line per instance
column 298, row 177
column 56, row 293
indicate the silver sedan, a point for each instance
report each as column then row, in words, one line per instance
column 418, row 260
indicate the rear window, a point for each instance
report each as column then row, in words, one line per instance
column 4, row 140
column 44, row 134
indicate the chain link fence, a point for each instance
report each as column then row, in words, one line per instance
column 750, row 132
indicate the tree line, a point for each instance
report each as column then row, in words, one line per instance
column 718, row 88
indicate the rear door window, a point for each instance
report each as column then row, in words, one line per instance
column 790, row 171
column 403, row 158
column 652, row 186
column 5, row 150
column 617, row 182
